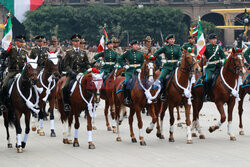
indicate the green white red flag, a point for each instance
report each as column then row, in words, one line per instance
column 7, row 35
column 201, row 43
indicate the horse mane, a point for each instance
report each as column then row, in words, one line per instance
column 229, row 58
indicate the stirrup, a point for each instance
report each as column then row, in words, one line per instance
column 163, row 97
column 127, row 101
column 2, row 108
column 67, row 107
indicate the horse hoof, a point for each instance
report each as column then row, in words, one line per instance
column 120, row 122
column 76, row 144
column 70, row 142
column 33, row 129
column 41, row 133
column 10, row 145
column 202, row 136
column 52, row 134
column 134, row 140
column 232, row 138
column 38, row 131
column 189, row 142
column 194, row 135
column 160, row 136
column 148, row 130
column 210, row 129
column 109, row 128
column 114, row 130
column 19, row 149
column 171, row 140
column 65, row 141
column 23, row 144
column 119, row 139
column 91, row 146
column 94, row 128
column 241, row 132
column 179, row 125
column 142, row 143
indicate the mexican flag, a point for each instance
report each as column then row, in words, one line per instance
column 201, row 43
column 7, row 36
column 193, row 31
column 19, row 7
column 101, row 44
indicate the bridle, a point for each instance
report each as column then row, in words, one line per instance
column 236, row 68
column 190, row 67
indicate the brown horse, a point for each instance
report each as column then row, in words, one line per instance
column 178, row 93
column 25, row 97
column 47, row 82
column 224, row 91
column 141, row 95
column 81, row 99
column 244, row 90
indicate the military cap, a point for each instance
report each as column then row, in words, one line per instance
column 39, row 38
column 170, row 36
column 20, row 38
column 76, row 37
column 44, row 39
column 109, row 42
column 115, row 40
column 212, row 36
column 134, row 42
column 82, row 41
column 148, row 38
column 190, row 36
column 54, row 39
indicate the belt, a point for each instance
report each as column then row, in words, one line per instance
column 172, row 61
column 214, row 62
column 109, row 63
column 134, row 65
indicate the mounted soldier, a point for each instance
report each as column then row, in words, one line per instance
column 116, row 46
column 173, row 54
column 75, row 61
column 215, row 58
column 16, row 59
column 55, row 47
column 39, row 51
column 135, row 60
column 109, row 57
column 190, row 44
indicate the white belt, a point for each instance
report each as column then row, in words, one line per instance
column 64, row 72
column 109, row 63
column 134, row 65
column 169, row 61
column 215, row 62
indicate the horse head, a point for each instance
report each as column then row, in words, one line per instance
column 189, row 61
column 30, row 72
column 51, row 65
column 148, row 68
column 235, row 62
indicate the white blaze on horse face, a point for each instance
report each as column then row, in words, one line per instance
column 32, row 62
column 53, row 57
column 97, row 79
column 151, row 71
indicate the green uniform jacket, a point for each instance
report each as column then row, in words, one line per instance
column 132, row 57
column 76, row 61
column 16, row 60
column 110, row 56
column 172, row 52
column 187, row 45
column 42, row 54
column 247, row 55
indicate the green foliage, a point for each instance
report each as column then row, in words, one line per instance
column 126, row 22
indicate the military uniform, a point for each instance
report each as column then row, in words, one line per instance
column 247, row 55
column 117, row 49
column 187, row 46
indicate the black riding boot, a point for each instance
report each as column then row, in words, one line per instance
column 205, row 91
column 66, row 99
column 127, row 99
column 3, row 100
column 163, row 91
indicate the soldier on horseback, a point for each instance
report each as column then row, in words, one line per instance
column 75, row 61
column 16, row 59
column 190, row 44
column 135, row 59
column 110, row 58
column 173, row 55
column 116, row 46
column 215, row 57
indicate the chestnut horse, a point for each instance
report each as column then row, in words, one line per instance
column 244, row 90
column 47, row 82
column 141, row 96
column 25, row 98
column 178, row 92
column 82, row 98
column 224, row 91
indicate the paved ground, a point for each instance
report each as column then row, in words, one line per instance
column 215, row 150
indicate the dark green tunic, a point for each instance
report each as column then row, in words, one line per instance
column 42, row 53
column 247, row 55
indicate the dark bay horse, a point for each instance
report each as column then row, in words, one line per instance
column 244, row 90
column 142, row 85
column 82, row 98
column 224, row 91
column 47, row 82
column 24, row 99
column 178, row 93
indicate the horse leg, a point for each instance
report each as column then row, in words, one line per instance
column 40, row 130
column 197, row 105
column 113, row 118
column 77, row 125
column 33, row 122
column 140, row 125
column 130, row 119
column 6, row 124
column 118, row 123
column 230, row 104
column 18, row 133
column 171, row 130
column 219, row 106
column 52, row 117
column 70, row 120
column 106, row 115
column 89, row 128
column 178, row 117
column 240, row 110
column 164, row 107
column 188, row 123
column 27, row 129
column 65, row 139
column 123, row 114
column 152, row 113
column 93, row 119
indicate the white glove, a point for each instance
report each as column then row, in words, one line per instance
column 164, row 61
column 126, row 67
column 138, row 70
column 102, row 63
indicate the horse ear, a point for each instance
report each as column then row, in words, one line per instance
column 184, row 50
column 56, row 53
column 233, row 50
column 36, row 59
column 27, row 59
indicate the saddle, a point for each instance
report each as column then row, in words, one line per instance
column 130, row 84
column 202, row 78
